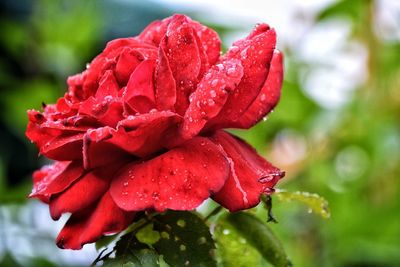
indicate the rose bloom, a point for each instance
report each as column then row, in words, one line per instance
column 141, row 129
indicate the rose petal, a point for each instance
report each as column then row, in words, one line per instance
column 210, row 41
column 127, row 62
column 108, row 86
column 139, row 136
column 250, row 174
column 255, row 54
column 55, row 178
column 180, row 179
column 139, row 93
column 210, row 96
column 165, row 87
column 64, row 147
column 268, row 96
column 182, row 52
column 154, row 32
column 83, row 192
column 89, row 225
column 98, row 152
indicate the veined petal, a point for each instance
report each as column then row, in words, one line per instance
column 255, row 53
column 55, row 178
column 89, row 225
column 268, row 96
column 210, row 96
column 139, row 92
column 180, row 179
column 250, row 174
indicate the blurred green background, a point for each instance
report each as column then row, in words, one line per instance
column 336, row 131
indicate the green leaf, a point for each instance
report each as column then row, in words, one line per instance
column 147, row 235
column 130, row 252
column 230, row 244
column 260, row 236
column 104, row 241
column 185, row 239
column 315, row 202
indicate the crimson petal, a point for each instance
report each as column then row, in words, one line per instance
column 139, row 136
column 268, row 96
column 210, row 96
column 182, row 51
column 165, row 87
column 55, row 178
column 127, row 62
column 95, row 145
column 255, row 52
column 139, row 92
column 89, row 225
column 83, row 192
column 64, row 147
column 250, row 174
column 180, row 179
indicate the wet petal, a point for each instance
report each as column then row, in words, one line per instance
column 89, row 225
column 139, row 92
column 268, row 96
column 139, row 136
column 127, row 62
column 255, row 54
column 182, row 52
column 55, row 178
column 210, row 96
column 210, row 41
column 180, row 179
column 250, row 174
column 97, row 151
column 154, row 32
column 64, row 147
column 165, row 87
column 83, row 192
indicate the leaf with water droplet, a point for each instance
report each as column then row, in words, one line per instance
column 185, row 239
column 315, row 202
column 130, row 252
column 259, row 236
column 230, row 245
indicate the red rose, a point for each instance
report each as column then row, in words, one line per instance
column 141, row 128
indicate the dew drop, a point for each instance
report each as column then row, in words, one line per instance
column 226, row 232
column 266, row 179
column 165, row 235
column 269, row 190
column 202, row 240
column 181, row 223
column 234, row 49
column 231, row 71
column 213, row 93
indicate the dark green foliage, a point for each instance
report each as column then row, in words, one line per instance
column 185, row 239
